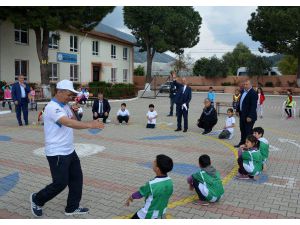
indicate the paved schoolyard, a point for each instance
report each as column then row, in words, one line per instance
column 123, row 164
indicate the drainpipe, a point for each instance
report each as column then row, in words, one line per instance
column 80, row 58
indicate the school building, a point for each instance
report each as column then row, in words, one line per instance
column 103, row 54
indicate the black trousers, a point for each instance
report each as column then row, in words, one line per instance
column 196, row 186
column 8, row 102
column 206, row 125
column 101, row 116
column 149, row 125
column 182, row 113
column 288, row 111
column 246, row 129
column 65, row 171
column 22, row 106
column 172, row 102
column 123, row 118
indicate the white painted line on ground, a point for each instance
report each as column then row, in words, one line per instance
column 293, row 142
column 274, row 149
column 290, row 182
column 82, row 150
column 5, row 112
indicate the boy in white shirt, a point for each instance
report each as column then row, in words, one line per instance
column 151, row 116
column 228, row 130
column 123, row 114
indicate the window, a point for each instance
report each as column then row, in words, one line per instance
column 125, row 75
column 53, row 71
column 95, row 48
column 21, row 67
column 113, row 51
column 53, row 40
column 21, row 35
column 73, row 72
column 113, row 75
column 125, row 53
column 73, row 43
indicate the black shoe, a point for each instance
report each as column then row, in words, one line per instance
column 185, row 130
column 237, row 146
column 21, row 125
column 178, row 129
column 79, row 211
column 170, row 115
column 36, row 210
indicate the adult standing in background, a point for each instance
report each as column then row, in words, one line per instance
column 101, row 108
column 246, row 110
column 182, row 100
column 59, row 122
column 172, row 96
column 20, row 91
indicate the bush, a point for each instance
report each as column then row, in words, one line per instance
column 226, row 84
column 269, row 84
column 139, row 71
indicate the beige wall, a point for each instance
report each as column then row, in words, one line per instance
column 9, row 51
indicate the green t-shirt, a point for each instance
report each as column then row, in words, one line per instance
column 264, row 148
column 157, row 193
column 210, row 186
column 252, row 161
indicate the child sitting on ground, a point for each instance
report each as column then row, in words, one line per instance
column 228, row 130
column 157, row 192
column 206, row 182
column 250, row 159
column 123, row 114
column 263, row 144
column 151, row 116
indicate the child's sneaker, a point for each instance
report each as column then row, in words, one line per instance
column 200, row 202
column 79, row 211
column 36, row 210
column 242, row 177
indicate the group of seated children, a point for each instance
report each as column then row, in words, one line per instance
column 158, row 191
column 253, row 155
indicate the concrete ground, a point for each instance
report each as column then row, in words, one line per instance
column 123, row 164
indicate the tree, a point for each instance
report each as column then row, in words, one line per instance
column 237, row 58
column 183, row 63
column 139, row 71
column 45, row 19
column 288, row 65
column 210, row 67
column 278, row 30
column 159, row 29
column 258, row 66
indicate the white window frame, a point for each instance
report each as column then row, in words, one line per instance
column 72, row 72
column 20, row 31
column 125, row 53
column 72, row 43
column 125, row 75
column 52, row 76
column 95, row 47
column 52, row 40
column 113, row 51
column 113, row 75
column 20, row 69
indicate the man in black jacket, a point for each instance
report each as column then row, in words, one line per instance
column 101, row 108
column 246, row 110
column 172, row 96
column 182, row 100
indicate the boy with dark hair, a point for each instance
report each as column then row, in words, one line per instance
column 157, row 192
column 228, row 130
column 263, row 144
column 151, row 116
column 123, row 114
column 206, row 182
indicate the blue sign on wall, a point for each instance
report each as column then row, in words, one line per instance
column 65, row 57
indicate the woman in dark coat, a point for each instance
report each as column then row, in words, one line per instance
column 208, row 117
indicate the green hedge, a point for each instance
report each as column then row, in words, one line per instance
column 113, row 91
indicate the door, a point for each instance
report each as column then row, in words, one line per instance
column 96, row 73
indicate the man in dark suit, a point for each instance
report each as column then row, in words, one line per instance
column 246, row 110
column 19, row 93
column 101, row 108
column 182, row 100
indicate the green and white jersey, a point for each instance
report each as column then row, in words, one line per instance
column 252, row 162
column 210, row 186
column 157, row 193
column 264, row 148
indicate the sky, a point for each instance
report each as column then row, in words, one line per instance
column 222, row 28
